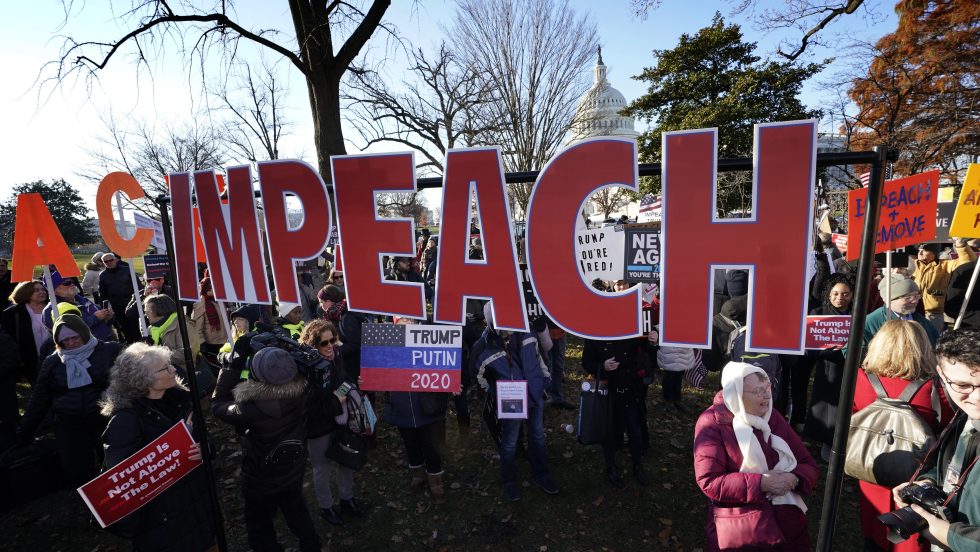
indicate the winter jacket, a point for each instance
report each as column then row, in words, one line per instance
column 964, row 532
column 877, row 319
column 206, row 333
column 933, row 278
column 676, row 359
column 717, row 460
column 100, row 330
column 828, row 372
column 170, row 338
column 51, row 390
column 416, row 409
column 515, row 360
column 877, row 500
column 179, row 519
column 955, row 293
column 116, row 286
column 268, row 415
column 16, row 321
column 90, row 282
column 628, row 375
column 323, row 404
column 350, row 338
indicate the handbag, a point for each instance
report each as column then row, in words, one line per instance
column 593, row 415
column 749, row 526
column 347, row 449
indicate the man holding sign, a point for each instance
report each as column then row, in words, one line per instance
column 506, row 361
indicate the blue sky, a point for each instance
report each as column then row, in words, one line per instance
column 48, row 140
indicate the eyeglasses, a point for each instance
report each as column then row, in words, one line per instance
column 964, row 388
column 167, row 368
column 761, row 392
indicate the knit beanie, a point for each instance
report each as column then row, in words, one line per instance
column 73, row 324
column 901, row 286
column 65, row 307
column 331, row 293
column 285, row 308
column 274, row 366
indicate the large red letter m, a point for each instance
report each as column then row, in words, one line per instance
column 773, row 243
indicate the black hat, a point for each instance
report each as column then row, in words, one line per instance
column 930, row 247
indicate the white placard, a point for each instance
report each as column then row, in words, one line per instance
column 599, row 252
column 512, row 400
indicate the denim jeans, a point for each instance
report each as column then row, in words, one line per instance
column 556, row 356
column 509, row 430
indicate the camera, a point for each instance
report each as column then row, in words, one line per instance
column 308, row 360
column 904, row 522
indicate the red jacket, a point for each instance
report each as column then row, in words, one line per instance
column 717, row 460
column 875, row 499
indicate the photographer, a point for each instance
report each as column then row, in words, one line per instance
column 951, row 466
column 270, row 409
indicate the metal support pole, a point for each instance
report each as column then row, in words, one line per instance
column 200, row 428
column 835, row 471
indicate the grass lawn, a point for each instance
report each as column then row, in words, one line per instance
column 587, row 515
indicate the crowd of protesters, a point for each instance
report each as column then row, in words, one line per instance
column 106, row 382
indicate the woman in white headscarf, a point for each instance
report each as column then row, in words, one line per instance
column 752, row 467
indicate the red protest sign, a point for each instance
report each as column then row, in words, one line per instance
column 130, row 484
column 908, row 213
column 840, row 240
column 824, row 332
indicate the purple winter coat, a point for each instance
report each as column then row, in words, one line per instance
column 717, row 460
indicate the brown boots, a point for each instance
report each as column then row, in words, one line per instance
column 437, row 489
column 418, row 479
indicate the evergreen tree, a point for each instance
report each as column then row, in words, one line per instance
column 713, row 79
column 66, row 207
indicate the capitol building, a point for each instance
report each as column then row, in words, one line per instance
column 598, row 114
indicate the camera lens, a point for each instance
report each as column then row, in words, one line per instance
column 902, row 524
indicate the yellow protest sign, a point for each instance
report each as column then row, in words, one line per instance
column 966, row 220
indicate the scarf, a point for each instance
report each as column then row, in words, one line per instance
column 77, row 364
column 156, row 332
column 745, row 424
column 211, row 310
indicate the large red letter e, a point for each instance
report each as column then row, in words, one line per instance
column 773, row 244
column 366, row 237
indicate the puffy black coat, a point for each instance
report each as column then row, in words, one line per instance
column 51, row 390
column 268, row 415
column 350, row 338
column 956, row 293
column 180, row 518
column 116, row 286
column 629, row 375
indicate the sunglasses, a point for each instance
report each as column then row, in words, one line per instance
column 67, row 283
column 326, row 342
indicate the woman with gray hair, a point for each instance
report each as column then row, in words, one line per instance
column 145, row 398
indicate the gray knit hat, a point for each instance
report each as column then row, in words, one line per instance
column 901, row 286
column 274, row 366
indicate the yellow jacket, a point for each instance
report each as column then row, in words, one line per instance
column 933, row 278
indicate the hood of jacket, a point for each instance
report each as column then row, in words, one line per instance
column 257, row 391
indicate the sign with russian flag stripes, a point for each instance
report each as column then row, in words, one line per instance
column 411, row 357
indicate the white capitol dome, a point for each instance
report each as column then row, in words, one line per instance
column 598, row 111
